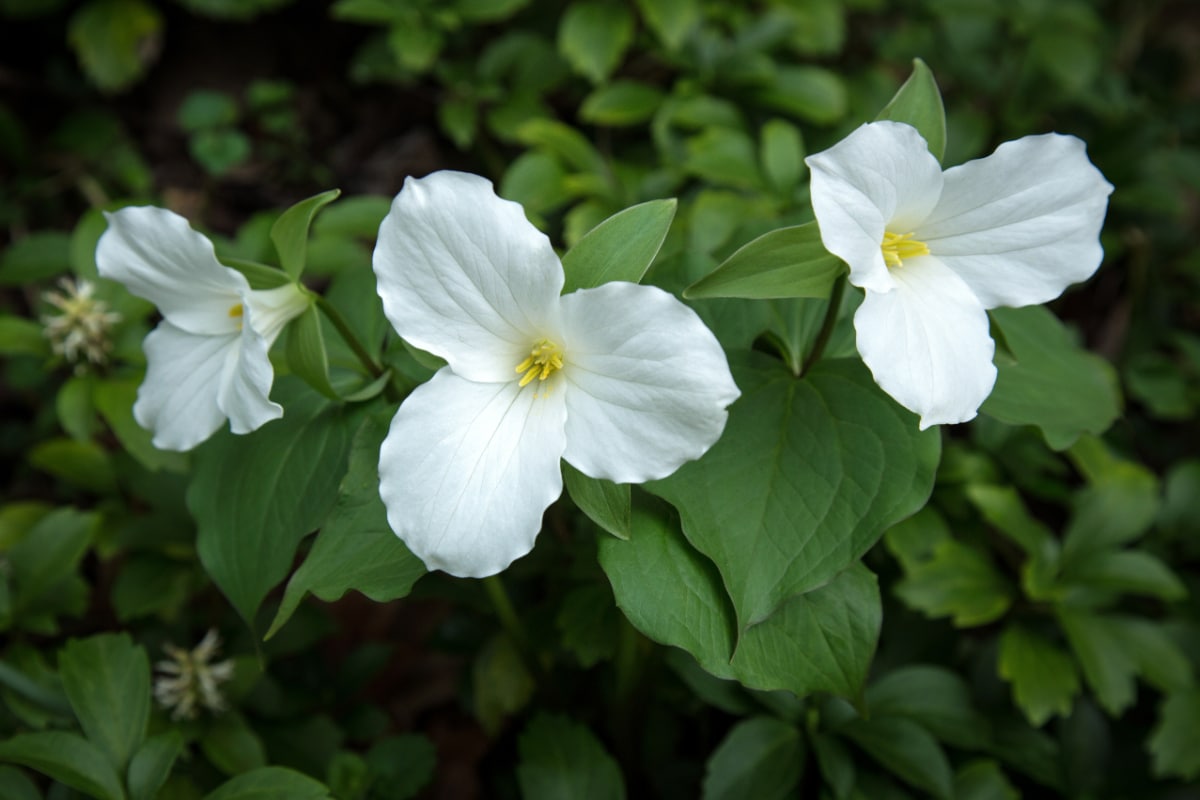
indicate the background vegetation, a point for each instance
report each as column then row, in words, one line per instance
column 1041, row 625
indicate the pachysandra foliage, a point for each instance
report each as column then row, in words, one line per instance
column 207, row 360
column 934, row 250
column 622, row 381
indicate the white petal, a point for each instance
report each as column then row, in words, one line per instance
column 1022, row 224
column 464, row 275
column 273, row 309
column 184, row 373
column 468, row 468
column 246, row 382
column 158, row 256
column 880, row 178
column 647, row 383
column 927, row 343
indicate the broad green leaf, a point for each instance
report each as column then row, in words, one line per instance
column 414, row 44
column 204, row 109
column 355, row 549
column 560, row 758
column 1044, row 679
column 563, row 141
column 1160, row 660
column 487, row 10
column 621, row 248
column 606, row 503
column 621, row 103
column 1003, row 508
column 76, row 412
column 1033, row 752
column 724, row 156
column 806, row 477
column 781, row 149
column 787, row 262
column 22, row 337
column 1054, row 384
column 232, row 746
column 671, row 20
column 48, row 698
column 819, row 641
column 14, row 785
column 404, row 764
column 593, row 36
column 290, row 231
column 306, row 352
column 935, row 698
column 355, row 217
column 760, row 757
column 1124, row 571
column 35, row 257
column 114, row 40
column 259, row 276
column 219, row 150
column 1119, row 505
column 951, row 579
column 48, row 554
column 270, row 783
column 107, row 679
column 254, row 497
column 1172, row 745
column 151, row 764
column 84, row 465
column 587, row 622
column 813, row 94
column 114, row 399
column 835, row 763
column 67, row 758
column 919, row 104
column 501, row 682
column 905, row 749
column 536, row 180
column 983, row 780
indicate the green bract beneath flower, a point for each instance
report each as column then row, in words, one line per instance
column 472, row 459
column 207, row 360
column 934, row 250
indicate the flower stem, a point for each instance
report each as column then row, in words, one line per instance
column 831, row 317
column 339, row 322
column 502, row 604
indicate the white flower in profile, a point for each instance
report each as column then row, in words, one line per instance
column 207, row 360
column 935, row 249
column 623, row 381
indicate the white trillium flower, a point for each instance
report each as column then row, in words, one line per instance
column 623, row 381
column 935, row 249
column 207, row 360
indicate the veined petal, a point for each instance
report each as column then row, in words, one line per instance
column 246, row 381
column 468, row 468
column 273, row 309
column 156, row 255
column 927, row 343
column 647, row 383
column 1022, row 224
column 184, row 373
column 880, row 178
column 464, row 275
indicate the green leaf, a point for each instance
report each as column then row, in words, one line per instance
column 606, row 503
column 35, row 257
column 564, row 142
column 835, row 763
column 593, row 36
column 1003, row 508
column 906, row 749
column 536, row 180
column 813, row 94
column 270, row 783
column 1132, row 571
column 760, row 757
column 621, row 103
column 414, row 45
column 560, row 758
column 502, row 684
column 355, row 217
column 1044, row 679
column 306, row 353
column 107, row 679
column 671, row 20
column 1172, row 745
column 84, row 465
column 259, row 276
column 404, row 764
column 67, row 758
column 806, row 477
column 254, row 497
column 114, row 40
column 48, row 554
column 1055, row 385
column 219, row 150
column 73, row 403
column 621, row 248
column 15, row 786
column 1118, row 506
column 114, row 399
column 983, row 780
column 587, row 622
column 786, row 262
column 232, row 746
column 935, row 698
column 151, row 764
column 22, row 337
column 919, row 103
column 724, row 156
column 290, row 231
column 487, row 10
column 781, row 149
column 355, row 549
column 204, row 109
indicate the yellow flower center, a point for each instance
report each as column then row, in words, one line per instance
column 236, row 311
column 544, row 359
column 897, row 247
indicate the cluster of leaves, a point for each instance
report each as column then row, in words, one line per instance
column 1051, row 572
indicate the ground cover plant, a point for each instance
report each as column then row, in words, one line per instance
column 606, row 398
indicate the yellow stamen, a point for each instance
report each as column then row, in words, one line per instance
column 236, row 311
column 544, row 359
column 897, row 247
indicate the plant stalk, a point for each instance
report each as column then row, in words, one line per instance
column 831, row 317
